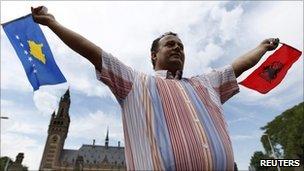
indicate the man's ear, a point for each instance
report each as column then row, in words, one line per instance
column 153, row 56
column 153, row 59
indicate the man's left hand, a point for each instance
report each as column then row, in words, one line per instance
column 252, row 57
column 270, row 44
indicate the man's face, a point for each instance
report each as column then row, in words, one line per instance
column 170, row 55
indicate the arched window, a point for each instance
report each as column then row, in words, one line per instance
column 55, row 139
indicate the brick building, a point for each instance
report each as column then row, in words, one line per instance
column 87, row 157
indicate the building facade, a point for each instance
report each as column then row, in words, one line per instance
column 87, row 157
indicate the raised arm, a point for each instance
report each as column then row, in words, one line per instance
column 252, row 57
column 75, row 41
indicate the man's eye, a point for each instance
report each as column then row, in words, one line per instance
column 170, row 44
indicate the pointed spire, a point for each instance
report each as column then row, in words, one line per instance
column 67, row 93
column 107, row 138
column 64, row 104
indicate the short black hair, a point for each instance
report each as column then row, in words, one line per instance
column 155, row 43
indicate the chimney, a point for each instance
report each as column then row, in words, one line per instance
column 118, row 143
column 107, row 139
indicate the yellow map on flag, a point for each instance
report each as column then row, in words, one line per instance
column 36, row 50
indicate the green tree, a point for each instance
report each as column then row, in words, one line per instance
column 256, row 159
column 286, row 134
column 3, row 161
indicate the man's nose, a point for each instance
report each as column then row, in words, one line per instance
column 177, row 47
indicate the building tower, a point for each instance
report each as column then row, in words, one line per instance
column 57, row 133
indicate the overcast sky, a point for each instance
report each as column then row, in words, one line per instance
column 214, row 34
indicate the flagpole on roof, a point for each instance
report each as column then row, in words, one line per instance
column 15, row 19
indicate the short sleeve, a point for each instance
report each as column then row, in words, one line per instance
column 116, row 75
column 223, row 80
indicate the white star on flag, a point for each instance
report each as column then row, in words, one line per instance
column 35, row 71
column 21, row 45
column 17, row 37
column 25, row 52
column 30, row 59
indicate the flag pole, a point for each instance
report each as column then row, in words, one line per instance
column 2, row 24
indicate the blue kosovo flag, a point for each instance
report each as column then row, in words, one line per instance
column 33, row 51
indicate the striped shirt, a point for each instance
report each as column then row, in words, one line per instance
column 172, row 124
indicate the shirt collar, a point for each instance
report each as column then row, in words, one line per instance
column 168, row 75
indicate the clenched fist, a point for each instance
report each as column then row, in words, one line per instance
column 270, row 44
column 41, row 16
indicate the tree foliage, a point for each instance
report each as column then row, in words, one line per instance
column 286, row 133
column 3, row 161
column 255, row 161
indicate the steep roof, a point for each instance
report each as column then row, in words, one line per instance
column 95, row 154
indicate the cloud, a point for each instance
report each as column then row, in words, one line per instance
column 242, row 137
column 23, row 119
column 209, row 36
column 241, row 119
column 46, row 99
column 81, row 77
column 7, row 103
column 96, row 125
column 26, row 128
column 228, row 21
column 17, row 111
column 211, row 51
column 12, row 73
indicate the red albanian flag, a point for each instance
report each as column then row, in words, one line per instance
column 273, row 70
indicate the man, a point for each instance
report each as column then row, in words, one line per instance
column 170, row 122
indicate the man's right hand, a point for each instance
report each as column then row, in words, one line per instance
column 41, row 16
